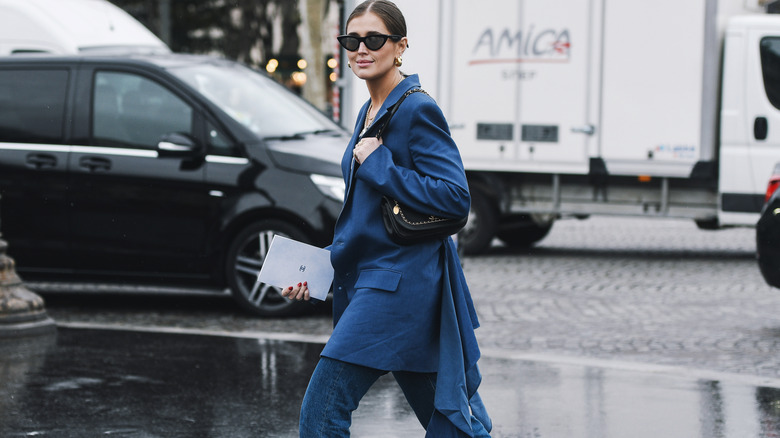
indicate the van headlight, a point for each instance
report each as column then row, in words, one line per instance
column 330, row 186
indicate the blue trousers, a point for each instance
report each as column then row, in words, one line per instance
column 336, row 388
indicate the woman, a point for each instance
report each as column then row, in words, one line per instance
column 399, row 309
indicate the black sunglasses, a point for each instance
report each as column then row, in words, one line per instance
column 372, row 42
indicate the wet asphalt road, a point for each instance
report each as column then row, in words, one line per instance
column 94, row 383
column 611, row 327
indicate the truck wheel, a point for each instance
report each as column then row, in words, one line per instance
column 244, row 259
column 708, row 224
column 478, row 233
column 524, row 233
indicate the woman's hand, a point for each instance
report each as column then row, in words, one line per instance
column 364, row 148
column 300, row 292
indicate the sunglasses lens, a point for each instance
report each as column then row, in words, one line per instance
column 372, row 42
column 349, row 43
column 375, row 42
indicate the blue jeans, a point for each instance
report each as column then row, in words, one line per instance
column 336, row 388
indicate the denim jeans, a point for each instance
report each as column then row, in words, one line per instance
column 336, row 388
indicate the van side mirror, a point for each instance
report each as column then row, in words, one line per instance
column 176, row 145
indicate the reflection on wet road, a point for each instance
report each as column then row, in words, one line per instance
column 553, row 400
column 85, row 383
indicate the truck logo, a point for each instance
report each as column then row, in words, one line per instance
column 506, row 46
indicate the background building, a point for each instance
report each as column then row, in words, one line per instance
column 293, row 40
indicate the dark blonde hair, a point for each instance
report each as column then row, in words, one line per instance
column 386, row 10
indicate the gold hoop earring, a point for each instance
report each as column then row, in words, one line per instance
column 398, row 61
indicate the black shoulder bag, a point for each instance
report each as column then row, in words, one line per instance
column 406, row 226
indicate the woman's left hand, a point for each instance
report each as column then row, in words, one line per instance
column 300, row 292
column 364, row 148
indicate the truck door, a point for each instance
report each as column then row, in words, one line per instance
column 519, row 99
column 750, row 131
column 763, row 109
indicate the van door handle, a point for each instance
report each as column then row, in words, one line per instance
column 94, row 164
column 760, row 128
column 41, row 161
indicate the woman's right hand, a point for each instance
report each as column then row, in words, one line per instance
column 299, row 292
column 364, row 147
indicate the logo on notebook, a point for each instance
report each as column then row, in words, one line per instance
column 302, row 268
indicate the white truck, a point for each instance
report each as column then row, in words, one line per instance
column 572, row 108
column 70, row 27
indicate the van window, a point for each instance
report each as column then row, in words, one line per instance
column 770, row 65
column 218, row 142
column 257, row 102
column 32, row 105
column 129, row 110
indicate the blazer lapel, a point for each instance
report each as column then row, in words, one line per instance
column 410, row 82
column 381, row 115
column 350, row 170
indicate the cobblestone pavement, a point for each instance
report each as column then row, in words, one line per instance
column 647, row 291
column 659, row 291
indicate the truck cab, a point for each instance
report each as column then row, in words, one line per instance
column 750, row 116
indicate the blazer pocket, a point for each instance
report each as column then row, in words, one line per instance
column 382, row 279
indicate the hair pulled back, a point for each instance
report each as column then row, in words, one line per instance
column 386, row 10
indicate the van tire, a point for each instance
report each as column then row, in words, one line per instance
column 244, row 259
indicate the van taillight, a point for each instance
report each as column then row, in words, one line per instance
column 774, row 183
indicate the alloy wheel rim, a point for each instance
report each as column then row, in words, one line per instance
column 248, row 263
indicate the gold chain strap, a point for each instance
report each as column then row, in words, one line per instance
column 431, row 219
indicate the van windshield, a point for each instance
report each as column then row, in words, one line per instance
column 257, row 102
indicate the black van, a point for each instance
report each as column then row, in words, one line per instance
column 162, row 170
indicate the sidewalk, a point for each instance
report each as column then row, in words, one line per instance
column 88, row 382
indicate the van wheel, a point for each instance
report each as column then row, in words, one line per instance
column 245, row 257
column 478, row 233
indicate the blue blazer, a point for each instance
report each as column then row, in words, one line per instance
column 399, row 307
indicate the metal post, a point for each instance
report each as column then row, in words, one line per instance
column 665, row 196
column 164, row 12
column 22, row 312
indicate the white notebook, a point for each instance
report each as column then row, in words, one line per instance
column 290, row 262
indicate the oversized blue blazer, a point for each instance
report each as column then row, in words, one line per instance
column 399, row 307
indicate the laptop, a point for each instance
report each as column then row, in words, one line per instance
column 290, row 262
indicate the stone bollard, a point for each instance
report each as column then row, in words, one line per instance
column 22, row 312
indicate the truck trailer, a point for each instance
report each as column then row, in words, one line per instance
column 573, row 108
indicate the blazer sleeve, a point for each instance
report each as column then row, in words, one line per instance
column 437, row 185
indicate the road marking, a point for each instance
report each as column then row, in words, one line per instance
column 491, row 353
